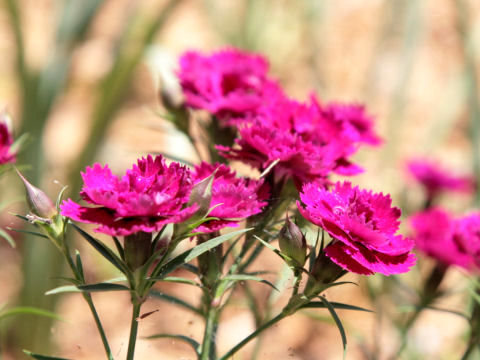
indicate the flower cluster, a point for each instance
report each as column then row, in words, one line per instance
column 363, row 226
column 153, row 194
column 436, row 179
column 309, row 141
column 449, row 240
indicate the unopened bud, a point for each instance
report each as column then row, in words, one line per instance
column 39, row 203
column 292, row 242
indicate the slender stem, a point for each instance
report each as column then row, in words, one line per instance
column 253, row 335
column 298, row 280
column 133, row 329
column 89, row 300
column 208, row 345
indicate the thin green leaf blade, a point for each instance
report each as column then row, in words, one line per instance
column 28, row 310
column 195, row 345
column 210, row 244
column 8, row 238
column 245, row 277
column 174, row 300
column 42, row 357
column 336, row 305
column 103, row 250
column 339, row 324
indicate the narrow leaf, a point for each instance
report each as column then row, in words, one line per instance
column 178, row 280
column 336, row 305
column 99, row 287
column 7, row 237
column 28, row 232
column 119, row 247
column 210, row 244
column 195, row 345
column 245, row 277
column 103, row 250
column 174, row 300
column 42, row 357
column 28, row 310
column 332, row 311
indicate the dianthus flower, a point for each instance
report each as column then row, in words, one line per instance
column 449, row 240
column 230, row 84
column 435, row 179
column 308, row 141
column 363, row 226
column 150, row 195
column 6, row 141
column 233, row 198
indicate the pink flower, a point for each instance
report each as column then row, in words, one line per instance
column 308, row 141
column 147, row 197
column 233, row 199
column 230, row 84
column 6, row 141
column 450, row 241
column 363, row 226
column 435, row 179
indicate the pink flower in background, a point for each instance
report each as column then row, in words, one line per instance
column 363, row 225
column 449, row 240
column 435, row 179
column 353, row 122
column 231, row 84
column 6, row 141
column 308, row 141
column 148, row 196
column 233, row 198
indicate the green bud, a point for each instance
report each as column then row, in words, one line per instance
column 292, row 242
column 39, row 203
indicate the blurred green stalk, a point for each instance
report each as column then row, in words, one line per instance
column 470, row 58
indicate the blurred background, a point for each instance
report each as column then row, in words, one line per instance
column 81, row 77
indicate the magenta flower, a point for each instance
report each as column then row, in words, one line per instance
column 435, row 179
column 363, row 226
column 308, row 142
column 233, row 199
column 230, row 84
column 147, row 197
column 6, row 141
column 448, row 240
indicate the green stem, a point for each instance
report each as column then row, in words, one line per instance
column 253, row 335
column 208, row 345
column 89, row 300
column 133, row 329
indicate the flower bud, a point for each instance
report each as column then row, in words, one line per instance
column 39, row 203
column 292, row 242
column 324, row 272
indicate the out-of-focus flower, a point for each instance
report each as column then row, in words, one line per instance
column 148, row 196
column 449, row 240
column 308, row 141
column 363, row 225
column 233, row 198
column 230, row 84
column 6, row 141
column 435, row 179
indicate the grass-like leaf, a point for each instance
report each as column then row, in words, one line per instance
column 195, row 345
column 332, row 311
column 42, row 357
column 27, row 310
column 99, row 287
column 336, row 305
column 28, row 232
column 7, row 237
column 103, row 250
column 174, row 300
column 245, row 277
